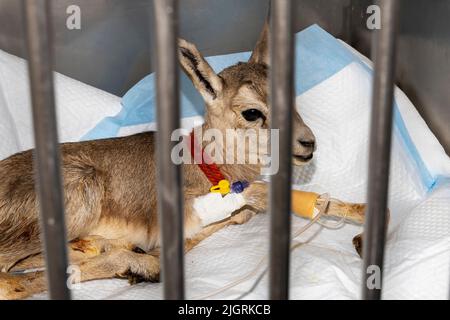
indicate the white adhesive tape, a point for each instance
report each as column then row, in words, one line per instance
column 213, row 207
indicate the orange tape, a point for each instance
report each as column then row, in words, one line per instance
column 303, row 203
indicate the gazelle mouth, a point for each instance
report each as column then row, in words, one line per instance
column 303, row 158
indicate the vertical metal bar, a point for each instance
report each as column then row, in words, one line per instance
column 282, row 101
column 169, row 175
column 47, row 155
column 380, row 148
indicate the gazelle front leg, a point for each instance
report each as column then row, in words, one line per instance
column 358, row 239
column 256, row 196
column 353, row 212
column 240, row 217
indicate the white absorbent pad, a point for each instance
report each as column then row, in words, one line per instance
column 80, row 107
column 333, row 96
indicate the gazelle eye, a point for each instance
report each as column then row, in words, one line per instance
column 252, row 115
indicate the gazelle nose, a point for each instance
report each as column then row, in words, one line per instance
column 307, row 143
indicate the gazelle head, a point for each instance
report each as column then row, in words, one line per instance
column 237, row 97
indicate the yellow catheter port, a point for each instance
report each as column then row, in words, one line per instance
column 307, row 205
column 304, row 203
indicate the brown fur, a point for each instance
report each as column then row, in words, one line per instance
column 110, row 191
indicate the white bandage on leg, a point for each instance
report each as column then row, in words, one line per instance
column 213, row 207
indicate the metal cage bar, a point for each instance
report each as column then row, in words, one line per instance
column 169, row 184
column 380, row 149
column 282, row 102
column 47, row 154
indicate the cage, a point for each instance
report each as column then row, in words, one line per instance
column 101, row 49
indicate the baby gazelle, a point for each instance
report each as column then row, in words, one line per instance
column 110, row 191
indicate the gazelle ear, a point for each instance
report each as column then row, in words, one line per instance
column 261, row 52
column 205, row 80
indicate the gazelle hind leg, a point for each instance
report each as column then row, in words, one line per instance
column 239, row 217
column 78, row 250
column 118, row 262
column 124, row 263
column 111, row 259
column 21, row 286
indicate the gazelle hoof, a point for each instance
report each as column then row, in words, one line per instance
column 358, row 243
